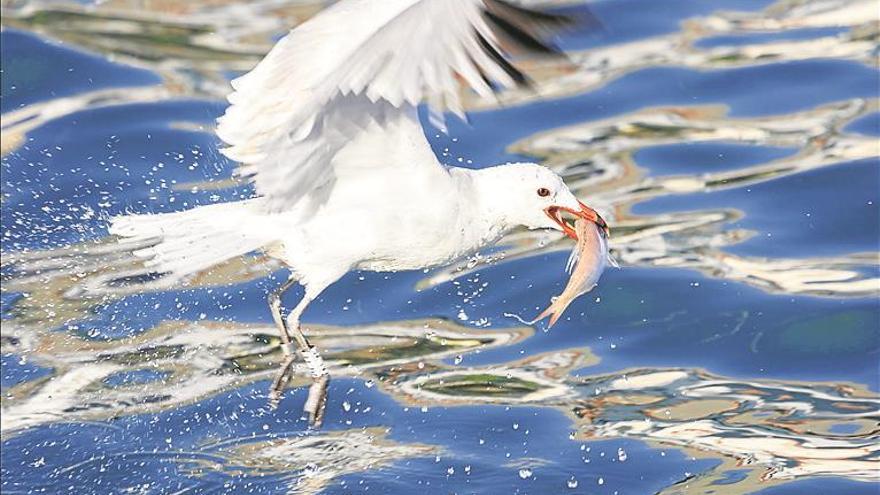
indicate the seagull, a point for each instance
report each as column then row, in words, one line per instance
column 326, row 127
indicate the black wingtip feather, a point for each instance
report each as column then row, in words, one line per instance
column 518, row 77
column 541, row 24
column 527, row 16
column 516, row 39
column 525, row 31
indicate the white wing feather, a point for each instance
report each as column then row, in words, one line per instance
column 352, row 71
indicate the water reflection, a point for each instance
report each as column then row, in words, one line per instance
column 196, row 360
column 308, row 463
column 596, row 158
column 761, row 370
column 775, row 430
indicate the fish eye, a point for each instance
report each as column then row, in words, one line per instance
column 543, row 192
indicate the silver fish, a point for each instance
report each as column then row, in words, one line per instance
column 586, row 263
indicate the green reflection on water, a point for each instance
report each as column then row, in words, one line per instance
column 482, row 384
column 846, row 331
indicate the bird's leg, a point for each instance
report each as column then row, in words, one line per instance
column 280, row 381
column 284, row 372
column 280, row 323
column 292, row 338
column 316, row 401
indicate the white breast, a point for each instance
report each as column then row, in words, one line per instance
column 413, row 222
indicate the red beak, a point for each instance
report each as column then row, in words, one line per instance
column 585, row 212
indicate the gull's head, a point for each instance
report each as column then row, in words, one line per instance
column 535, row 197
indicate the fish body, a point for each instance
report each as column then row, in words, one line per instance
column 587, row 262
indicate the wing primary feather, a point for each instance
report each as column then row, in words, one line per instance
column 531, row 20
column 518, row 77
column 311, row 113
column 518, row 38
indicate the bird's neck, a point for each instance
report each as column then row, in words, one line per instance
column 485, row 219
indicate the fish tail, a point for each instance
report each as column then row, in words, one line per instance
column 553, row 317
column 552, row 311
column 537, row 318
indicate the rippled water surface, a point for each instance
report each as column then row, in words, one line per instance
column 734, row 145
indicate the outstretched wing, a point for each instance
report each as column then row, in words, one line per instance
column 355, row 74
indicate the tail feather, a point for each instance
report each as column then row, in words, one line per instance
column 193, row 240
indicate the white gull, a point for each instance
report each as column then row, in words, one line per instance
column 326, row 127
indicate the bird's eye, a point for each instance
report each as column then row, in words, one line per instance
column 543, row 192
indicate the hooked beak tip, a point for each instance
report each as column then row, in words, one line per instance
column 593, row 215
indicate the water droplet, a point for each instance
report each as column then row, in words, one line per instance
column 601, row 481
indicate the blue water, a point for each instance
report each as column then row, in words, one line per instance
column 748, row 236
